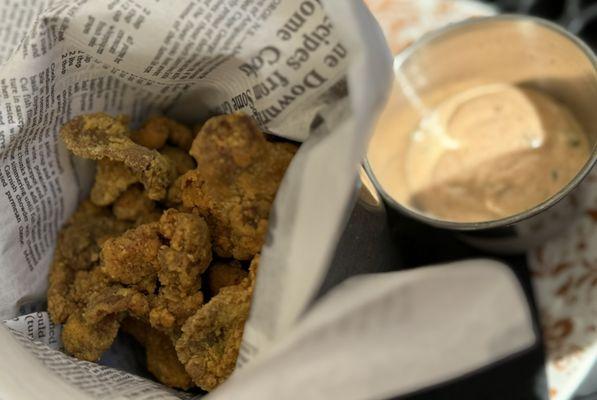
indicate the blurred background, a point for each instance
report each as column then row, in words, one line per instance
column 578, row 16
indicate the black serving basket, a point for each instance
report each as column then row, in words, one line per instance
column 377, row 235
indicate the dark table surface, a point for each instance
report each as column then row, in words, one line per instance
column 389, row 241
column 521, row 376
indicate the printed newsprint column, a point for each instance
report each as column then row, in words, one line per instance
column 281, row 61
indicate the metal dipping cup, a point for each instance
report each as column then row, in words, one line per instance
column 521, row 50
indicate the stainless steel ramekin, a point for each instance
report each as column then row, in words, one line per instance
column 508, row 49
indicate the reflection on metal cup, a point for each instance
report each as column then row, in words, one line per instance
column 532, row 231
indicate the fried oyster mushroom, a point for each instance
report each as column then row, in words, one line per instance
column 164, row 260
column 88, row 341
column 89, row 332
column 109, row 272
column 78, row 250
column 158, row 130
column 181, row 159
column 102, row 137
column 150, row 272
column 97, row 309
column 210, row 340
column 162, row 360
column 181, row 263
column 132, row 205
column 131, row 258
column 221, row 274
column 112, row 178
column 235, row 183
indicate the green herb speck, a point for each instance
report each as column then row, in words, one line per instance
column 575, row 142
column 554, row 174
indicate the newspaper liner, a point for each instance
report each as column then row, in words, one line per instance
column 289, row 67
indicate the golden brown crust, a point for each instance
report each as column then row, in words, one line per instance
column 210, row 340
column 235, row 184
column 132, row 257
column 174, row 196
column 181, row 262
column 111, row 180
column 87, row 341
column 162, row 360
column 152, row 134
column 187, row 233
column 80, row 239
column 222, row 274
column 77, row 250
column 158, row 129
column 181, row 160
column 85, row 284
column 93, row 322
column 133, row 205
column 60, row 305
column 101, row 137
column 171, row 308
column 115, row 300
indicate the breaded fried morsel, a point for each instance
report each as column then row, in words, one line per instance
column 164, row 260
column 78, row 249
column 81, row 237
column 133, row 205
column 60, row 305
column 181, row 159
column 88, row 341
column 112, row 178
column 162, row 360
column 92, row 327
column 187, row 233
column 235, row 182
column 158, row 129
column 85, row 284
column 132, row 258
column 101, row 137
column 174, row 196
column 181, row 262
column 221, row 274
column 210, row 340
column 115, row 300
column 173, row 252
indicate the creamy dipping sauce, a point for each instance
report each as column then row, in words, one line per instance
column 488, row 153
